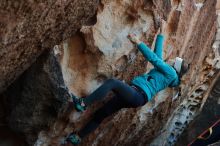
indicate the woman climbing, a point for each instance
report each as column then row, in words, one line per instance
column 141, row 90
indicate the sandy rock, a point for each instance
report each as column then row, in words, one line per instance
column 29, row 27
column 33, row 102
column 101, row 50
column 107, row 40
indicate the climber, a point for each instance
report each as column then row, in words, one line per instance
column 141, row 90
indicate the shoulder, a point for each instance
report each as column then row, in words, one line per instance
column 175, row 82
column 170, row 71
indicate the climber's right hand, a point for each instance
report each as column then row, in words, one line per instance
column 133, row 38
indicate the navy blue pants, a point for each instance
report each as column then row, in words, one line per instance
column 125, row 97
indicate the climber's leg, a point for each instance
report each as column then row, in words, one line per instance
column 129, row 98
column 112, row 106
column 126, row 97
column 126, row 92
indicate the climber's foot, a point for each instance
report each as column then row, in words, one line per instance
column 73, row 139
column 78, row 103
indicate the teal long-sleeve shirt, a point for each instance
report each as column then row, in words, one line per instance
column 161, row 76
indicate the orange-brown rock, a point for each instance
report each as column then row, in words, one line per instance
column 101, row 50
column 190, row 31
column 29, row 27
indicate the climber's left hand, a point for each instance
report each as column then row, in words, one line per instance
column 134, row 38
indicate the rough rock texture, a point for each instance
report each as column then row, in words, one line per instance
column 29, row 27
column 101, row 50
column 190, row 31
column 210, row 112
column 32, row 102
column 195, row 100
column 208, row 116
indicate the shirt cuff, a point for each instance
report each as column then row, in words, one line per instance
column 160, row 36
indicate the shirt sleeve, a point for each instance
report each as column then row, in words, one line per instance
column 158, row 50
column 154, row 59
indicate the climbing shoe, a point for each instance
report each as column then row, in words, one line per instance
column 73, row 139
column 78, row 103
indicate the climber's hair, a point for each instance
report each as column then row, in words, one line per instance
column 184, row 68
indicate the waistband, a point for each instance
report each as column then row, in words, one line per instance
column 140, row 91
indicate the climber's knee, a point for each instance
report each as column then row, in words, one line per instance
column 112, row 81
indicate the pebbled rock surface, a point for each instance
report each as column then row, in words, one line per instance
column 32, row 102
column 29, row 27
column 100, row 50
column 208, row 116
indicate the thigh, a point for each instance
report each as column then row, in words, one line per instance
column 132, row 97
column 111, row 107
column 100, row 93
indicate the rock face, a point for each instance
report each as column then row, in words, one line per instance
column 33, row 102
column 114, row 56
column 106, row 42
column 29, row 27
column 101, row 50
column 208, row 116
column 210, row 108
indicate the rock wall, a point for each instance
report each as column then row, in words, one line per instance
column 29, row 27
column 200, row 98
column 190, row 31
column 106, row 42
column 208, row 116
column 97, row 51
column 208, row 113
column 33, row 102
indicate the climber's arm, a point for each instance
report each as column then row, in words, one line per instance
column 150, row 55
column 160, row 40
column 153, row 58
column 158, row 50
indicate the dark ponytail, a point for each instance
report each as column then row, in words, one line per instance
column 184, row 68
